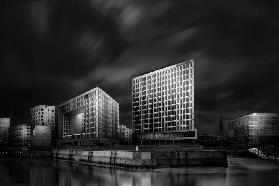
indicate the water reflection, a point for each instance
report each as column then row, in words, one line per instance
column 51, row 172
column 15, row 171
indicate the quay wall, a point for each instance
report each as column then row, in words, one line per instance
column 144, row 159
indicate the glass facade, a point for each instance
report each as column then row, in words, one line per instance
column 93, row 114
column 257, row 129
column 163, row 103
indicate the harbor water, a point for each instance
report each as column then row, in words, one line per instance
column 49, row 172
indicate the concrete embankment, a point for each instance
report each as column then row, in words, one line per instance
column 144, row 159
column 26, row 152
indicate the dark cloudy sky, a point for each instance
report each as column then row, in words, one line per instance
column 53, row 50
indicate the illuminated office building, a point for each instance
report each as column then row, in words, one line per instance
column 4, row 130
column 88, row 118
column 42, row 115
column 257, row 129
column 163, row 103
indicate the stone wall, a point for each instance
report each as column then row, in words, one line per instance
column 150, row 159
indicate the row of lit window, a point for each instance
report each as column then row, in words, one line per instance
column 150, row 93
column 163, row 118
column 163, row 81
column 173, row 84
column 92, row 104
column 170, row 128
column 38, row 110
column 162, row 111
column 162, row 114
column 163, row 91
column 175, row 80
column 161, row 107
column 174, row 103
column 162, row 85
column 166, row 96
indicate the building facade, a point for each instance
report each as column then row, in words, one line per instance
column 125, row 134
column 20, row 135
column 43, row 115
column 87, row 118
column 4, row 130
column 163, row 103
column 257, row 129
column 41, row 136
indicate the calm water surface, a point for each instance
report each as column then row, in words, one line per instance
column 241, row 171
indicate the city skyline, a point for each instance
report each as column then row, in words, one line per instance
column 139, row 92
column 50, row 52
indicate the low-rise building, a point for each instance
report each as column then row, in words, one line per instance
column 43, row 115
column 125, row 134
column 41, row 137
column 257, row 129
column 20, row 135
column 4, row 130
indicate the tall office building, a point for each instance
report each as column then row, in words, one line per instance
column 257, row 129
column 163, row 103
column 88, row 118
column 42, row 116
column 4, row 130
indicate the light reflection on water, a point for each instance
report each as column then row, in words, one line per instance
column 241, row 171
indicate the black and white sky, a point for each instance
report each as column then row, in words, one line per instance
column 53, row 50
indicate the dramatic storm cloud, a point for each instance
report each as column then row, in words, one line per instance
column 53, row 50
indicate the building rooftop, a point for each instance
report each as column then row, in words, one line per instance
column 162, row 69
column 257, row 114
column 87, row 92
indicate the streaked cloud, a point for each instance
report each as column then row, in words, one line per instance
column 53, row 50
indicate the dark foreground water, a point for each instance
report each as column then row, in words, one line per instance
column 241, row 171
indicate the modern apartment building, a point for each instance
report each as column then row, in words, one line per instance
column 257, row 129
column 163, row 104
column 4, row 130
column 42, row 115
column 20, row 135
column 87, row 118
